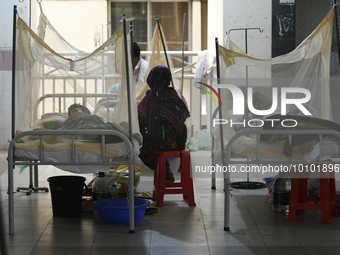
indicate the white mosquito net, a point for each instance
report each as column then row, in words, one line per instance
column 157, row 57
column 308, row 67
column 47, row 64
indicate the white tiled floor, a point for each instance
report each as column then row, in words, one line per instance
column 174, row 229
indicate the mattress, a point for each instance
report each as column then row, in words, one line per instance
column 247, row 146
column 57, row 149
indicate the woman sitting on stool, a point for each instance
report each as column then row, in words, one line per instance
column 161, row 115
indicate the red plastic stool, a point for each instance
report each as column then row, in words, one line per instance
column 184, row 186
column 326, row 200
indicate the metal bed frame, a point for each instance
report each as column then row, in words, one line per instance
column 12, row 161
column 59, row 105
column 289, row 162
column 126, row 138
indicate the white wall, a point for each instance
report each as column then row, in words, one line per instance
column 76, row 21
column 249, row 14
column 6, row 36
column 215, row 21
column 6, row 21
column 5, row 108
column 224, row 15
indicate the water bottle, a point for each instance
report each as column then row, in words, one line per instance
column 112, row 178
column 281, row 194
column 101, row 188
column 114, row 191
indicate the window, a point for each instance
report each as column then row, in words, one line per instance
column 136, row 12
column 170, row 15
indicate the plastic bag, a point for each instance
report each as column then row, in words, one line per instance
column 203, row 138
column 123, row 179
column 192, row 144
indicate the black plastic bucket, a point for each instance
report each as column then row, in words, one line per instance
column 66, row 195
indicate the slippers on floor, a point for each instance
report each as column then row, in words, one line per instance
column 150, row 210
column 143, row 194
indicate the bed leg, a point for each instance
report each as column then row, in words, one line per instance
column 36, row 181
column 31, row 188
column 131, row 195
column 10, row 192
column 213, row 180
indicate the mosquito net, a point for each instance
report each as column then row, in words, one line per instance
column 157, row 57
column 307, row 67
column 47, row 64
column 296, row 83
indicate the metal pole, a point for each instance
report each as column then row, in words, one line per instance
column 227, row 174
column 30, row 14
column 183, row 56
column 166, row 56
column 248, row 184
column 131, row 197
column 131, row 36
column 10, row 151
column 246, row 34
column 337, row 28
column 246, row 43
column 13, row 67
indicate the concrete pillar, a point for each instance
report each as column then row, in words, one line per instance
column 215, row 22
column 196, row 21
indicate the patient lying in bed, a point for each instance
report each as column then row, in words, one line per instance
column 80, row 112
column 79, row 117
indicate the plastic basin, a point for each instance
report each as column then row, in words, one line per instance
column 115, row 211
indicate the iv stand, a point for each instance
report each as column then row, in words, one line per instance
column 246, row 42
column 247, row 184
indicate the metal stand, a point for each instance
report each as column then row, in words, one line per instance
column 131, row 185
column 226, row 175
column 164, row 48
column 247, row 184
column 337, row 27
column 30, row 187
column 183, row 37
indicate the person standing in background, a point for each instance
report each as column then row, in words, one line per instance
column 140, row 71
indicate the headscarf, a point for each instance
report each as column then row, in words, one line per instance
column 161, row 100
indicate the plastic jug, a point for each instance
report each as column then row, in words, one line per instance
column 101, row 188
column 112, row 176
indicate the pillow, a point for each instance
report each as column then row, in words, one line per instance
column 53, row 120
